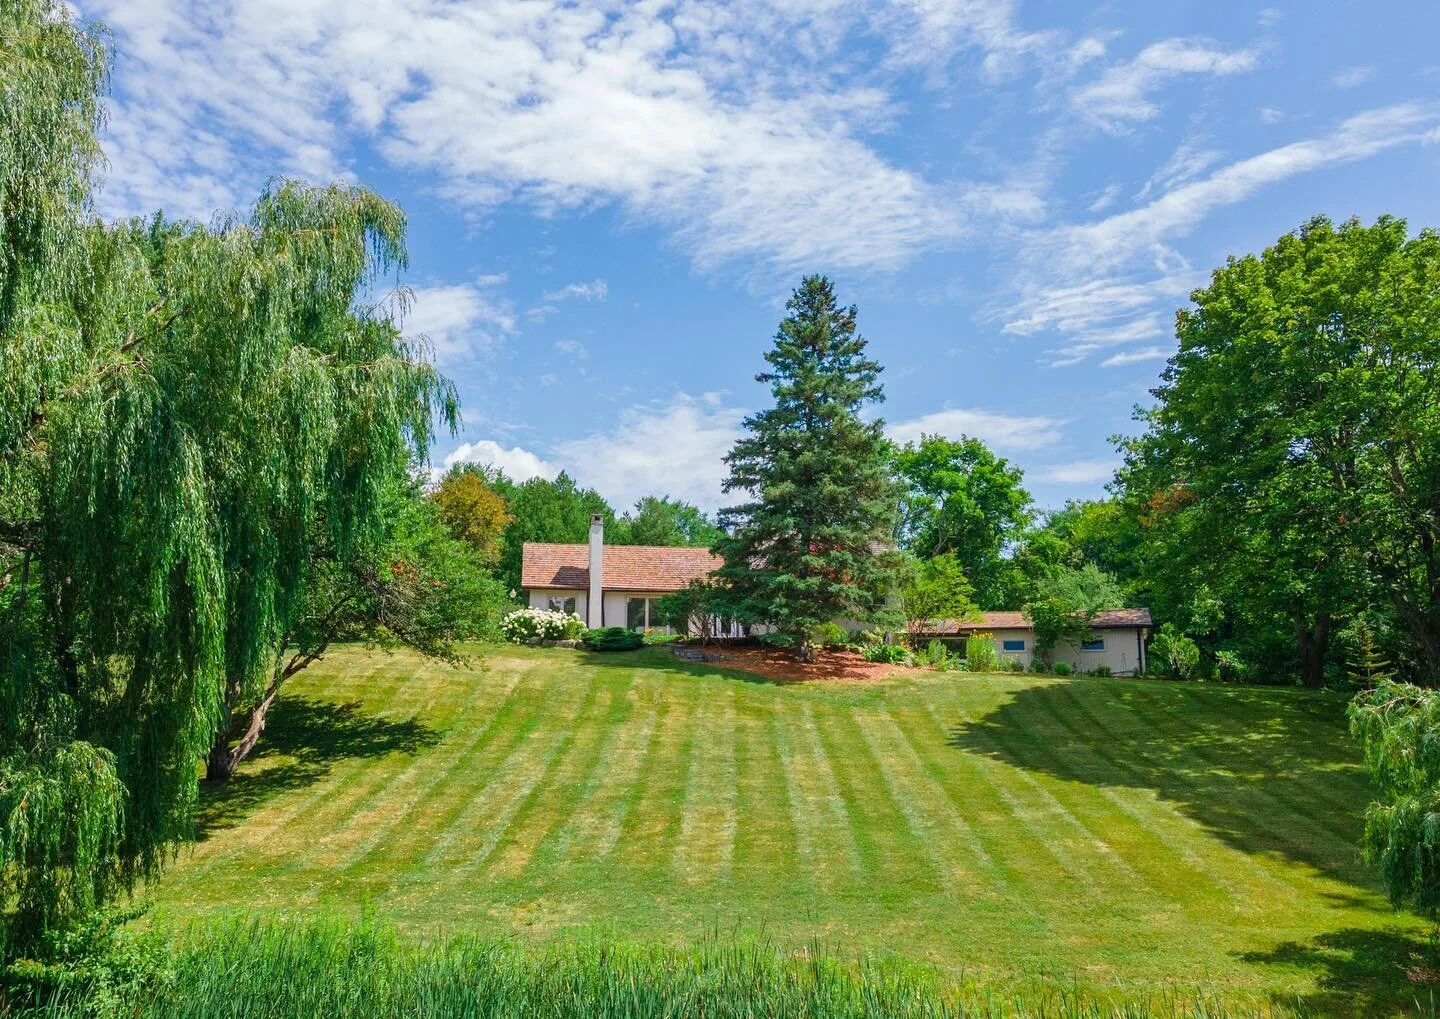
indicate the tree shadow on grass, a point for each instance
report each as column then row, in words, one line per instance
column 303, row 738
column 1361, row 972
column 1266, row 770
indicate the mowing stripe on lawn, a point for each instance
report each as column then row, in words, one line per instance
column 706, row 850
column 824, row 834
column 651, row 827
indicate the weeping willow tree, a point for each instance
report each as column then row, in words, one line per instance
column 186, row 411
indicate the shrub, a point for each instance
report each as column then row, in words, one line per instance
column 980, row 654
column 1039, row 666
column 1060, row 669
column 1177, row 653
column 1101, row 671
column 1014, row 665
column 613, row 638
column 525, row 625
column 829, row 635
column 892, row 654
column 1230, row 666
column 780, row 640
column 936, row 655
column 653, row 636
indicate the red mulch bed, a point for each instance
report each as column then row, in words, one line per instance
column 780, row 665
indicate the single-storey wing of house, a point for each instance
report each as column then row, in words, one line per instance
column 610, row 585
column 1118, row 643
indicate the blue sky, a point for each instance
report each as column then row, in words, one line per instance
column 610, row 202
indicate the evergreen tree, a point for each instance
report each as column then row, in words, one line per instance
column 803, row 550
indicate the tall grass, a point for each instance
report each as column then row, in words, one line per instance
column 267, row 969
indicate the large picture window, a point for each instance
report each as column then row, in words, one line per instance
column 635, row 613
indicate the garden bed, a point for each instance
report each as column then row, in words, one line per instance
column 780, row 664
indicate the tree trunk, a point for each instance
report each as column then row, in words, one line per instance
column 804, row 650
column 1312, row 643
column 224, row 758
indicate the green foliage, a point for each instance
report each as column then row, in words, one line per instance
column 98, row 962
column 1174, row 652
column 1065, row 603
column 694, row 609
column 1292, row 457
column 613, row 638
column 1060, row 669
column 302, row 969
column 936, row 590
column 187, row 413
column 1013, row 664
column 936, row 655
column 980, row 653
column 892, row 654
column 1399, row 728
column 548, row 511
column 959, row 497
column 665, row 521
column 802, row 550
column 655, row 637
column 1368, row 667
column 829, row 635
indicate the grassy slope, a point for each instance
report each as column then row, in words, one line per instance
column 1118, row 831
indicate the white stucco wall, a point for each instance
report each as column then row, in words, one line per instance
column 1121, row 654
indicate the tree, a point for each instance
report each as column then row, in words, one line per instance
column 178, row 403
column 557, row 511
column 1399, row 728
column 936, row 589
column 665, row 521
column 958, row 496
column 1065, row 605
column 473, row 510
column 696, row 607
column 1175, row 651
column 802, row 550
column 410, row 584
column 1296, row 435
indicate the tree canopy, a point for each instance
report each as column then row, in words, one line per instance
column 184, row 411
column 802, row 550
column 1292, row 460
column 661, row 520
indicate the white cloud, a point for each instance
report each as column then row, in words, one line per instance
column 1003, row 432
column 573, row 348
column 1351, row 77
column 462, row 319
column 674, row 448
column 1079, row 472
column 519, row 464
column 1270, row 115
column 1122, row 94
column 1135, row 357
column 594, row 291
column 1106, row 199
column 1186, row 163
column 727, row 128
column 1177, row 212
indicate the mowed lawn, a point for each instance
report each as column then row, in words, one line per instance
column 1114, row 832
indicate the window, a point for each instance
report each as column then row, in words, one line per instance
column 1012, row 645
column 561, row 604
column 1093, row 645
column 644, row 613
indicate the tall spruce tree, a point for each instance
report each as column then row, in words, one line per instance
column 808, row 545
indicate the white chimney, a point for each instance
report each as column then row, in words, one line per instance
column 595, row 604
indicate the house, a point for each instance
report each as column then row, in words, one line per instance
column 1118, row 643
column 615, row 585
column 621, row 585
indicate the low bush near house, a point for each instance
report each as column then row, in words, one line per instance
column 661, row 637
column 935, row 655
column 613, row 638
column 1014, row 665
column 1176, row 653
column 1060, row 669
column 891, row 654
column 829, row 635
column 980, row 653
column 1100, row 670
column 780, row 640
column 526, row 625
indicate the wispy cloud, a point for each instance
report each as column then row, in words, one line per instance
column 463, row 319
column 1351, row 77
column 1077, row 472
column 1122, row 95
column 518, row 463
column 595, row 290
column 1135, row 357
column 1005, row 432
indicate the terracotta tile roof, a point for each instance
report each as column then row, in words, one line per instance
column 627, row 567
column 1108, row 619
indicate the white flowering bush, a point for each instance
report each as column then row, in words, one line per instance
column 525, row 625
